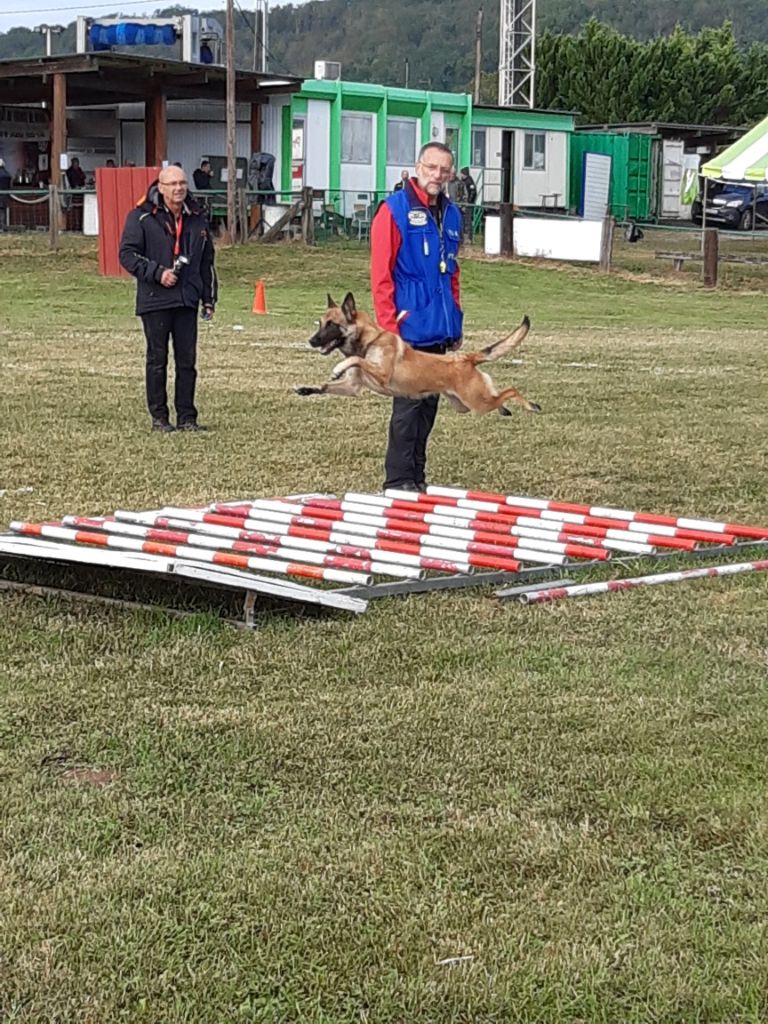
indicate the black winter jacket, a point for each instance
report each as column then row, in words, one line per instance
column 146, row 250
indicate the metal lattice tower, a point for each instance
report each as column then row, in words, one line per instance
column 517, row 44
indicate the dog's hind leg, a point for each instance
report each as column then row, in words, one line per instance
column 512, row 393
column 456, row 402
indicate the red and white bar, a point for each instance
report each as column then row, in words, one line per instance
column 625, row 515
column 503, row 526
column 507, row 523
column 192, row 553
column 532, row 542
column 463, row 552
column 663, row 536
column 333, row 556
column 501, row 522
column 607, row 586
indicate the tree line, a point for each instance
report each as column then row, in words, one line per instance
column 704, row 76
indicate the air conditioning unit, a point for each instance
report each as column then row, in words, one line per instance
column 328, row 69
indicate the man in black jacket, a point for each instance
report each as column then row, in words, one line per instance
column 166, row 245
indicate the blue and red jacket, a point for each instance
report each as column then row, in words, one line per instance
column 414, row 267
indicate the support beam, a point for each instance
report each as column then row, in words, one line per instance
column 58, row 149
column 255, row 128
column 58, row 126
column 155, row 130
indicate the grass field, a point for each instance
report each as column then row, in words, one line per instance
column 445, row 810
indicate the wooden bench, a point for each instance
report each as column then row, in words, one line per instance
column 678, row 258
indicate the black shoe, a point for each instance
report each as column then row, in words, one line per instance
column 191, row 425
column 163, row 427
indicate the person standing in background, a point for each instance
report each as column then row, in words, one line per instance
column 166, row 246
column 415, row 238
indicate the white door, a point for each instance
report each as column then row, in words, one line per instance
column 672, row 174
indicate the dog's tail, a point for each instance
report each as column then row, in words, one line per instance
column 503, row 347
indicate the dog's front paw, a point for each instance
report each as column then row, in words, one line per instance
column 534, row 407
column 307, row 391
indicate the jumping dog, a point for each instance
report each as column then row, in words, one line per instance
column 383, row 363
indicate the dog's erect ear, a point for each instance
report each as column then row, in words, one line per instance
column 331, row 303
column 348, row 307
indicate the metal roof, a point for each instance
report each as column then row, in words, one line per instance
column 102, row 78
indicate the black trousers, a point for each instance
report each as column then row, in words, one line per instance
column 411, row 424
column 181, row 325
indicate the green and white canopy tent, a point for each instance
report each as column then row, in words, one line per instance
column 745, row 161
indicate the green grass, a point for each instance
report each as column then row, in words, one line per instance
column 300, row 823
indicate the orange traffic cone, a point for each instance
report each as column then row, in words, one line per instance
column 259, row 299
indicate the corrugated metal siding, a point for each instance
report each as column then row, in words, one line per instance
column 631, row 170
column 189, row 142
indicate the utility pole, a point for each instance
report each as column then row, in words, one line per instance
column 478, row 53
column 260, row 16
column 231, row 125
column 407, row 71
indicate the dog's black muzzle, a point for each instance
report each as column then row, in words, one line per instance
column 327, row 338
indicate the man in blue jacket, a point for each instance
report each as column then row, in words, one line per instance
column 415, row 239
column 166, row 245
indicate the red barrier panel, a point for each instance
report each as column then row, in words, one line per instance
column 118, row 190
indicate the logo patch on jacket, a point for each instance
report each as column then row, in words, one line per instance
column 417, row 218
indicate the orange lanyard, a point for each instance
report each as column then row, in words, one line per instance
column 177, row 243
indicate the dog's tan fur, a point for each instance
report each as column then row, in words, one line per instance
column 383, row 363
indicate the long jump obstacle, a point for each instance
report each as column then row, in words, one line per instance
column 339, row 553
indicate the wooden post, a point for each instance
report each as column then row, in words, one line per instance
column 58, row 140
column 507, row 211
column 711, row 242
column 155, row 130
column 606, row 245
column 53, row 216
column 307, row 219
column 231, row 124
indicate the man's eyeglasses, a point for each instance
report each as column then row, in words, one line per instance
column 444, row 172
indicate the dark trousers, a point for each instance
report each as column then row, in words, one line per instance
column 409, row 429
column 181, row 325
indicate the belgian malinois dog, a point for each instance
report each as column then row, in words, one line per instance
column 385, row 364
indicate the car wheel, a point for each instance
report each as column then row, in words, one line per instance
column 745, row 221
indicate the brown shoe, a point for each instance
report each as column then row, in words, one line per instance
column 162, row 427
column 191, row 425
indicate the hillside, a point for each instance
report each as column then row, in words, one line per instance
column 373, row 40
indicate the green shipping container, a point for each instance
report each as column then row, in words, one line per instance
column 631, row 171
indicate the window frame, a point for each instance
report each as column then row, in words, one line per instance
column 533, row 136
column 347, row 116
column 398, row 160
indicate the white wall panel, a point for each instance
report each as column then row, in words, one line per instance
column 317, row 144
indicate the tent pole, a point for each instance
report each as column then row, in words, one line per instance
column 754, row 210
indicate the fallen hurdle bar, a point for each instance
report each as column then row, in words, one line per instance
column 680, row 522
column 631, row 583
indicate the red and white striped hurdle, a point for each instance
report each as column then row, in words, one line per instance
column 371, row 545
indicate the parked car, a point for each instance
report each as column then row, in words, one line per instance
column 733, row 206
